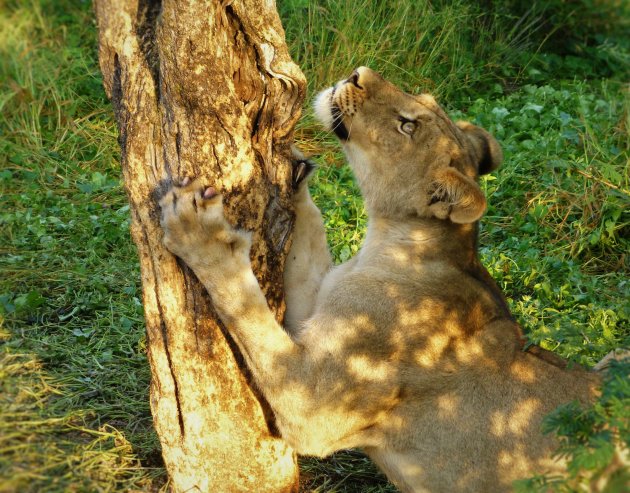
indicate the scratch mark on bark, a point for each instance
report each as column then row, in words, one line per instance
column 164, row 334
column 225, row 129
column 145, row 29
column 258, row 115
column 218, row 167
column 178, row 148
column 117, row 98
column 180, row 414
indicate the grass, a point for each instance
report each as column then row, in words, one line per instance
column 45, row 447
column 74, row 412
column 556, row 233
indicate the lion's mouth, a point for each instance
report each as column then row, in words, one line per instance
column 337, row 123
column 331, row 113
column 338, row 126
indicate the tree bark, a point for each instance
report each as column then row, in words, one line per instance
column 206, row 89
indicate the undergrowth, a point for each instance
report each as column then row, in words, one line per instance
column 74, row 412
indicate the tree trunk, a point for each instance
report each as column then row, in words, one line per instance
column 206, row 89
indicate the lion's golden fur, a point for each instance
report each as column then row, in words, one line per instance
column 408, row 350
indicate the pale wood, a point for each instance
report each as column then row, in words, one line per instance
column 205, row 88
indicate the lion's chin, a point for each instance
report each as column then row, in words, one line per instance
column 323, row 108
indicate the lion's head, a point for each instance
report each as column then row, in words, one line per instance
column 409, row 157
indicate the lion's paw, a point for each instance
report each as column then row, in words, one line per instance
column 195, row 228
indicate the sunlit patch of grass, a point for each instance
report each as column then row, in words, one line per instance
column 46, row 446
column 69, row 288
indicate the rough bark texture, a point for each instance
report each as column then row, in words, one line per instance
column 205, row 88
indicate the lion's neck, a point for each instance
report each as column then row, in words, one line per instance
column 430, row 242
column 426, row 238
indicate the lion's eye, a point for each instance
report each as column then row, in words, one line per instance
column 407, row 126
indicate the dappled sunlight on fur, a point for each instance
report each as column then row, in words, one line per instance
column 502, row 424
column 407, row 350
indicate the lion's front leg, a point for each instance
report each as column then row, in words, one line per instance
column 309, row 415
column 196, row 231
column 309, row 259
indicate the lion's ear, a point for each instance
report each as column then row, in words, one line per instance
column 455, row 196
column 485, row 147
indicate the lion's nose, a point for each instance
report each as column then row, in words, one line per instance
column 362, row 77
column 354, row 79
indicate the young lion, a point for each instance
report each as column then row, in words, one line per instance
column 407, row 350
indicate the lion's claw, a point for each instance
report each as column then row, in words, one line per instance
column 209, row 193
column 195, row 228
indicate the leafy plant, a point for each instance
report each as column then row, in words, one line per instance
column 592, row 440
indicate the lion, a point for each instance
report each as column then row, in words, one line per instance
column 408, row 350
